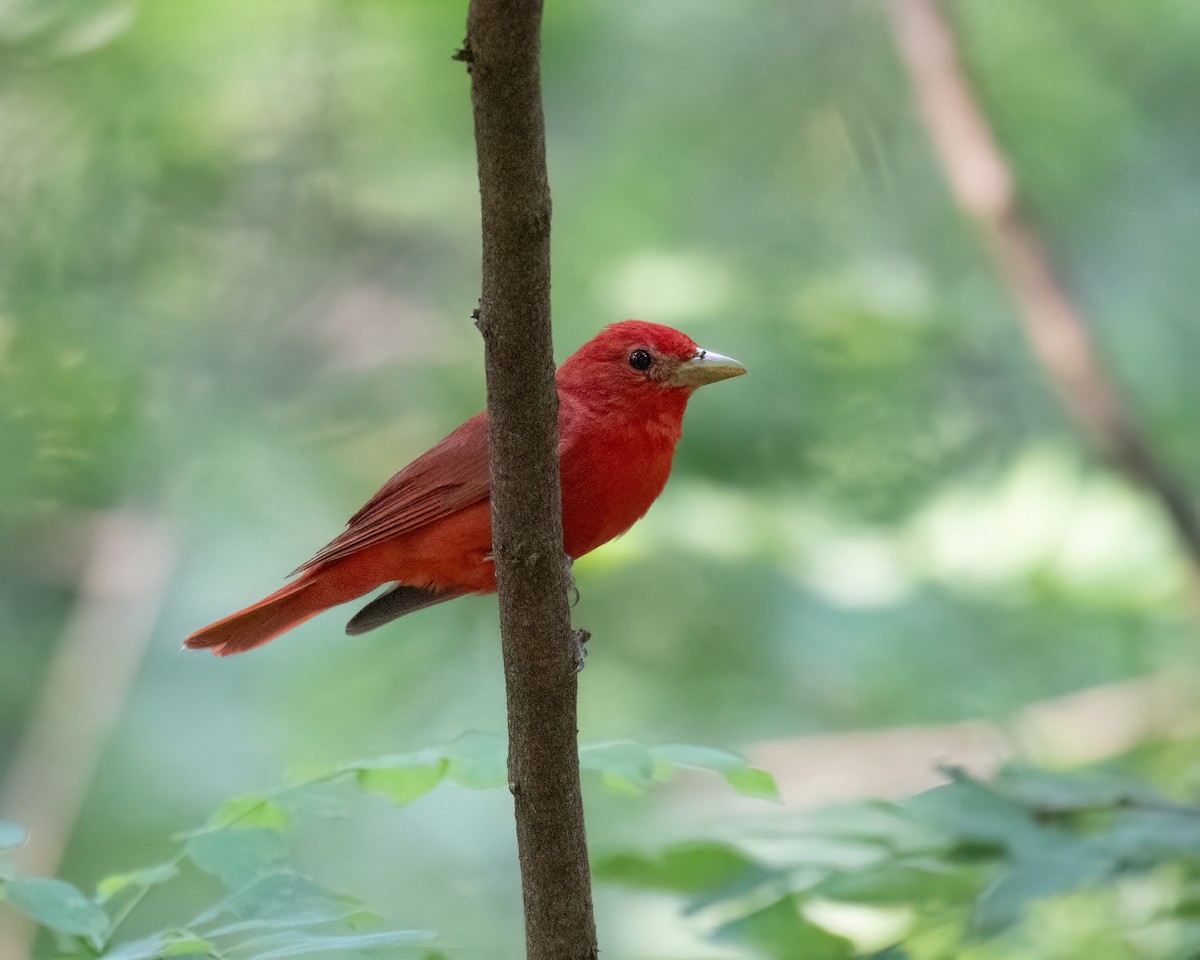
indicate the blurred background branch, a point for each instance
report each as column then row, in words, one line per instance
column 129, row 563
column 981, row 180
column 1086, row 727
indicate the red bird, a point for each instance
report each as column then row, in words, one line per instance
column 429, row 529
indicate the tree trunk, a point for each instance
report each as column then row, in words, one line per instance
column 502, row 53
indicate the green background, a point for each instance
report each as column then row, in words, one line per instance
column 238, row 254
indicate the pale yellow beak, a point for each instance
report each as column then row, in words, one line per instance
column 706, row 367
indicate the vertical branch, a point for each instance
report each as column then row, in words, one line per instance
column 502, row 51
column 982, row 183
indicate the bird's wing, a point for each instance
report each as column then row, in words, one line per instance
column 394, row 604
column 451, row 476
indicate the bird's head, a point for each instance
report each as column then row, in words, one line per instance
column 634, row 356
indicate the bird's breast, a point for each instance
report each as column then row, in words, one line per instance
column 610, row 478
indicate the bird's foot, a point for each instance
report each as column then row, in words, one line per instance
column 578, row 649
column 572, row 590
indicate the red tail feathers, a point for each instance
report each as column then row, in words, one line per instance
column 287, row 607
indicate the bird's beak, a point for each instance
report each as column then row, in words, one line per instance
column 705, row 367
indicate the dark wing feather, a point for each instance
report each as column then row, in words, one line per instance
column 395, row 603
column 451, row 476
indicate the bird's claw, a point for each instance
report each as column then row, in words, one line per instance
column 572, row 589
column 578, row 649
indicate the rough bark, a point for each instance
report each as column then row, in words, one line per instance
column 502, row 53
column 981, row 181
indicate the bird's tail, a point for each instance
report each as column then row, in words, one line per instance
column 261, row 622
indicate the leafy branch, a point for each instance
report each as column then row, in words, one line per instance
column 964, row 861
column 268, row 910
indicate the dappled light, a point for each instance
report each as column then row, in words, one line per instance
column 239, row 255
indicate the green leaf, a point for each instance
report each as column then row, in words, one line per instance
column 875, row 822
column 1144, row 838
column 744, row 778
column 1053, row 791
column 898, row 883
column 403, row 779
column 11, row 835
column 478, row 760
column 114, row 883
column 58, row 905
column 1058, row 867
column 1071, row 791
column 753, row 782
column 624, row 766
column 283, row 945
column 337, row 908
column 683, row 868
column 237, row 856
column 973, row 814
column 187, row 947
column 286, row 898
column 781, row 932
column 251, row 811
column 173, row 944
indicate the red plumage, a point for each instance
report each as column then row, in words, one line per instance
column 428, row 529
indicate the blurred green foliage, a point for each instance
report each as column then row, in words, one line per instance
column 238, row 254
column 264, row 908
column 1095, row 862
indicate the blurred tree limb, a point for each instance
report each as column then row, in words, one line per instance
column 981, row 181
column 502, row 52
column 121, row 591
column 1080, row 728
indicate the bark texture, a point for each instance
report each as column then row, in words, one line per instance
column 502, row 54
column 982, row 183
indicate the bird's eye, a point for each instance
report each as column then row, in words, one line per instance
column 640, row 359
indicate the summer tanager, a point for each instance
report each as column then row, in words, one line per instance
column 428, row 530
